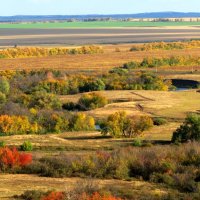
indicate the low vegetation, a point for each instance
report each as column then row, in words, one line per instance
column 43, row 52
column 166, row 46
column 177, row 166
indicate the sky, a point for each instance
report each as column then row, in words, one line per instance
column 73, row 7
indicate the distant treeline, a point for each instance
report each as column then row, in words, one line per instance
column 149, row 62
column 31, row 18
column 166, row 46
column 42, row 52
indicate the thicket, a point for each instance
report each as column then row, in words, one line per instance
column 22, row 52
column 166, row 46
column 176, row 166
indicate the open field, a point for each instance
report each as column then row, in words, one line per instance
column 172, row 105
column 96, row 24
column 77, row 36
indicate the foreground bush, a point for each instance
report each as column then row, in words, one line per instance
column 176, row 166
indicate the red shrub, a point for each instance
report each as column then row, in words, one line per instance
column 12, row 158
column 54, row 196
column 97, row 196
column 25, row 159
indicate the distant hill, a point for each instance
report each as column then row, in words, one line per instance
column 29, row 18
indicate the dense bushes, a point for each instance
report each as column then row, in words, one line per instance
column 189, row 130
column 176, row 166
column 119, row 125
column 38, row 195
column 41, row 52
column 11, row 158
column 166, row 46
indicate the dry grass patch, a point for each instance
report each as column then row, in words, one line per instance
column 11, row 185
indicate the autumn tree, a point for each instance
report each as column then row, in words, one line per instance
column 120, row 125
column 80, row 122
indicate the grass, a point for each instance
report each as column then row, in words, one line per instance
column 171, row 105
column 11, row 185
column 98, row 24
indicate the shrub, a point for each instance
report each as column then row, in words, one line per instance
column 26, row 146
column 11, row 158
column 2, row 144
column 97, row 196
column 54, row 196
column 92, row 101
column 31, row 195
column 158, row 121
column 189, row 130
column 137, row 143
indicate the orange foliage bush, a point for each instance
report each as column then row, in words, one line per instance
column 10, row 158
column 54, row 196
column 97, row 196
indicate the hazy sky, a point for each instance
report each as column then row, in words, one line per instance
column 69, row 7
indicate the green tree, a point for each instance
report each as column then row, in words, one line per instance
column 189, row 130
